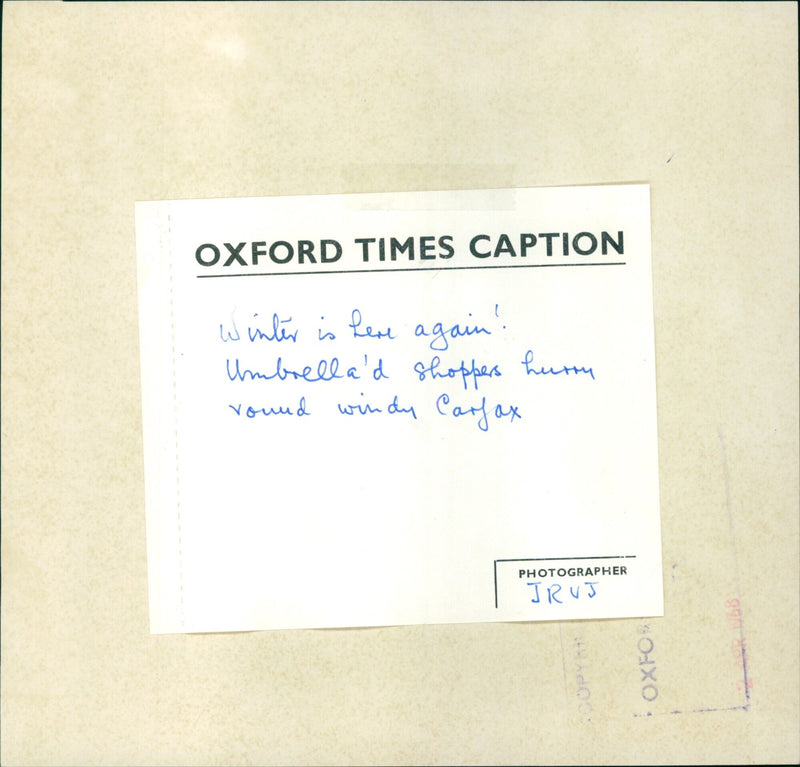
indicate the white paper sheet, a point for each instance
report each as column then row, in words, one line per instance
column 403, row 408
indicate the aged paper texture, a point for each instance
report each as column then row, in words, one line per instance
column 106, row 104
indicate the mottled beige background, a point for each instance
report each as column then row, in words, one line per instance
column 105, row 104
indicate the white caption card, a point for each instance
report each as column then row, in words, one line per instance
column 381, row 409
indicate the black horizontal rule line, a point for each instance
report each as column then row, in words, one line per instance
column 567, row 559
column 405, row 269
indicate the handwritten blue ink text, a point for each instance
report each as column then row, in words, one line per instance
column 365, row 408
column 555, row 589
column 441, row 334
column 324, row 371
column 478, row 411
column 470, row 374
column 367, row 332
column 252, row 412
column 528, row 363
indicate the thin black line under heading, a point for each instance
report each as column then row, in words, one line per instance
column 406, row 269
